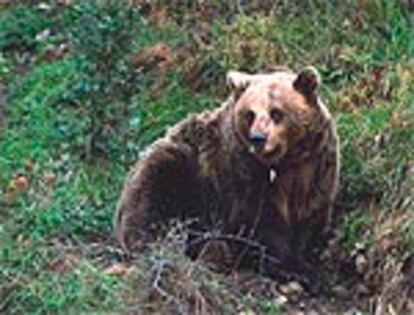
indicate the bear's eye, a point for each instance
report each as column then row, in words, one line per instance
column 249, row 116
column 276, row 116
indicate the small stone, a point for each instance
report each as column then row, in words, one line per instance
column 361, row 263
column 340, row 291
column 379, row 139
column 291, row 288
column 281, row 299
column 44, row 6
column 43, row 35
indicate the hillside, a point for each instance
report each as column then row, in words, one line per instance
column 86, row 85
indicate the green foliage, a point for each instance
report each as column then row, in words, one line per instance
column 19, row 26
column 4, row 67
column 47, row 280
column 158, row 114
column 103, row 40
column 36, row 143
column 33, row 133
column 55, row 232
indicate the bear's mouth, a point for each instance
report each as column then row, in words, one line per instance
column 275, row 154
column 269, row 156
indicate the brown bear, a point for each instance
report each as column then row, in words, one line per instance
column 263, row 168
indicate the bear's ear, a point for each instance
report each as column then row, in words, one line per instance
column 238, row 82
column 307, row 81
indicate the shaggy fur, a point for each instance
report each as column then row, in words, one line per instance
column 210, row 170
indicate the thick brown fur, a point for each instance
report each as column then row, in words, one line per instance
column 207, row 170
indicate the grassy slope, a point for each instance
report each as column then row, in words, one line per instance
column 55, row 232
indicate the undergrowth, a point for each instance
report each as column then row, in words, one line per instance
column 57, row 254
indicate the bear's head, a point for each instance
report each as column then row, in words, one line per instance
column 272, row 112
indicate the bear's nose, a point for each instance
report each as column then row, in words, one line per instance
column 257, row 138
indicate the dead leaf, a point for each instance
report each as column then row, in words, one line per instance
column 49, row 179
column 117, row 269
column 19, row 183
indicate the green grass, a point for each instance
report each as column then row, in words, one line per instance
column 56, row 235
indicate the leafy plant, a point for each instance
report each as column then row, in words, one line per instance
column 19, row 26
column 102, row 39
column 57, row 254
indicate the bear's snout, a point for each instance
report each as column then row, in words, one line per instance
column 257, row 139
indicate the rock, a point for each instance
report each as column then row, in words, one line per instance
column 362, row 289
column 281, row 299
column 43, row 35
column 44, row 6
column 292, row 288
column 361, row 263
column 340, row 291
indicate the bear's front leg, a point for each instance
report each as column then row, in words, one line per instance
column 162, row 186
